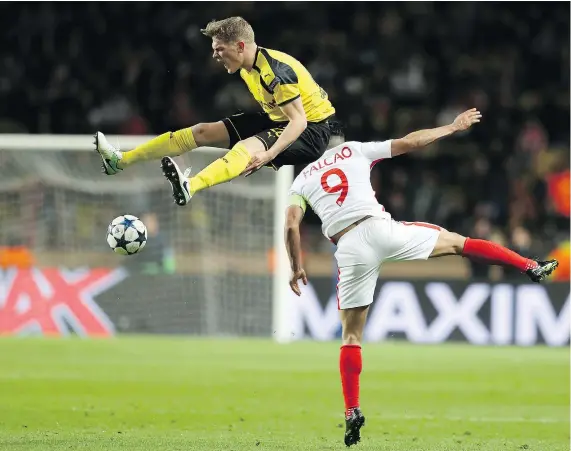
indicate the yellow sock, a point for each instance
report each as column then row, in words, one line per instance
column 166, row 145
column 222, row 170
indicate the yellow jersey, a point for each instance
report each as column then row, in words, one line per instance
column 277, row 79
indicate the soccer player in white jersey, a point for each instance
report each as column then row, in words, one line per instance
column 337, row 187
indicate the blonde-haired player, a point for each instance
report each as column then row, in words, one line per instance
column 294, row 127
column 338, row 189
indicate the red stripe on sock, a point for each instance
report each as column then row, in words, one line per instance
column 350, row 366
column 489, row 253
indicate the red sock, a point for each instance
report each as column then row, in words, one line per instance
column 489, row 253
column 350, row 366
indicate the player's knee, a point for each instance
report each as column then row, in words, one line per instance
column 352, row 337
column 457, row 243
column 241, row 152
column 448, row 243
column 253, row 145
column 454, row 242
column 353, row 322
column 243, row 145
column 209, row 133
column 202, row 134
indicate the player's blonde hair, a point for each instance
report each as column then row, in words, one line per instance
column 229, row 30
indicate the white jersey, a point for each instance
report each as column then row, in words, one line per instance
column 337, row 186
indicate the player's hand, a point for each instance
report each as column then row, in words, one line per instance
column 257, row 162
column 465, row 120
column 297, row 275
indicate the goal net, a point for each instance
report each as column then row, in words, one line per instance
column 214, row 267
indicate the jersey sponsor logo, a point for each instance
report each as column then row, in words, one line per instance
column 54, row 301
column 319, row 165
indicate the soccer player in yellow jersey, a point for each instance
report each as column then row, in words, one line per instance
column 294, row 127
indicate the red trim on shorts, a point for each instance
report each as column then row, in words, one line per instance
column 422, row 224
column 375, row 162
column 337, row 289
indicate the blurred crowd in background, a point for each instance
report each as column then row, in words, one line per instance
column 389, row 69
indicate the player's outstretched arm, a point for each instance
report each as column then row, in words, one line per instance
column 422, row 138
column 294, row 215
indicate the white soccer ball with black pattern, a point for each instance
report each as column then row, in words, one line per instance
column 126, row 235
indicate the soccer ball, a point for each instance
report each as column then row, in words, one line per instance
column 126, row 235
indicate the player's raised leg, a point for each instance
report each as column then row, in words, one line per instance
column 420, row 241
column 222, row 170
column 491, row 253
column 350, row 366
column 168, row 144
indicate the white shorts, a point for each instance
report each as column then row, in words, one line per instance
column 362, row 250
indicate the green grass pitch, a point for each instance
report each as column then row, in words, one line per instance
column 156, row 393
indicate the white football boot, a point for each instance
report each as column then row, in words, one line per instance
column 179, row 181
column 108, row 154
